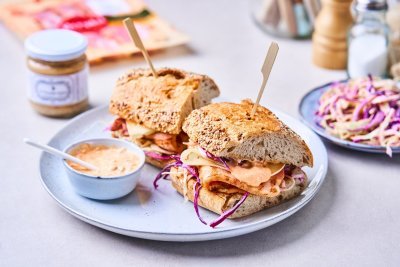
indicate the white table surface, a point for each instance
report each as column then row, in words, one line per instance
column 353, row 221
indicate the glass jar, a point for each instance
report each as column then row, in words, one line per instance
column 57, row 70
column 286, row 18
column 368, row 40
column 393, row 20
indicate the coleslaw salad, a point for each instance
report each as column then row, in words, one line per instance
column 364, row 110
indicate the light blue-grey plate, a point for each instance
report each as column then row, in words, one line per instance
column 307, row 107
column 162, row 214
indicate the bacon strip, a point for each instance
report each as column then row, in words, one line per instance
column 120, row 125
column 216, row 179
column 170, row 142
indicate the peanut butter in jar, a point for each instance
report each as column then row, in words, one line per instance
column 58, row 72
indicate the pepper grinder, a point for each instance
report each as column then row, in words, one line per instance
column 330, row 35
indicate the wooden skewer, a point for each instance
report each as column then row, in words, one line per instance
column 266, row 70
column 130, row 27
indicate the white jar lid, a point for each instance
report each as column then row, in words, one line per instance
column 56, row 45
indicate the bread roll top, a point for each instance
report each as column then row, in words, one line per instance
column 161, row 103
column 227, row 130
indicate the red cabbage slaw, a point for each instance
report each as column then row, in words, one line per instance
column 196, row 188
column 291, row 172
column 229, row 212
column 193, row 172
column 207, row 154
column 365, row 110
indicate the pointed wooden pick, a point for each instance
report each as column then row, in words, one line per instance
column 130, row 27
column 266, row 70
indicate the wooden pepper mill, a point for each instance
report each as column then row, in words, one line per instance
column 330, row 34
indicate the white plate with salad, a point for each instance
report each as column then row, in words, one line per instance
column 361, row 114
column 162, row 214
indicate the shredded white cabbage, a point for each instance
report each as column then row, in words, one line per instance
column 365, row 110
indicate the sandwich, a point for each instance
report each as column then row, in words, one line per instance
column 236, row 165
column 150, row 111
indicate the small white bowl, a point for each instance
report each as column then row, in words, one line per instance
column 109, row 187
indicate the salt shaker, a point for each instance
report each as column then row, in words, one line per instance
column 368, row 40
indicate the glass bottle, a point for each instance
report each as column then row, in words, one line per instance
column 57, row 72
column 368, row 40
column 393, row 20
column 286, row 18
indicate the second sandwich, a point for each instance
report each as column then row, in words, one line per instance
column 150, row 111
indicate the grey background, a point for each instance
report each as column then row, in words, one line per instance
column 354, row 219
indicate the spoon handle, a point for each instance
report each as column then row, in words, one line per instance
column 59, row 153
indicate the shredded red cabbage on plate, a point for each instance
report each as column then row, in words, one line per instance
column 229, row 212
column 365, row 110
column 197, row 187
column 163, row 174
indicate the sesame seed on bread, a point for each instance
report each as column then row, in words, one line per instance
column 161, row 103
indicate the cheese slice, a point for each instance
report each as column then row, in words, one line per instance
column 137, row 131
column 192, row 157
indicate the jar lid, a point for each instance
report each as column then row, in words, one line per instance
column 56, row 45
column 372, row 5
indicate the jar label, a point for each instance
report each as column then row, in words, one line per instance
column 58, row 90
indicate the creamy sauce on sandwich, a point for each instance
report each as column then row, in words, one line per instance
column 111, row 161
column 254, row 173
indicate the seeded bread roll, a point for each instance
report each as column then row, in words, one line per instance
column 161, row 103
column 227, row 130
column 220, row 202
